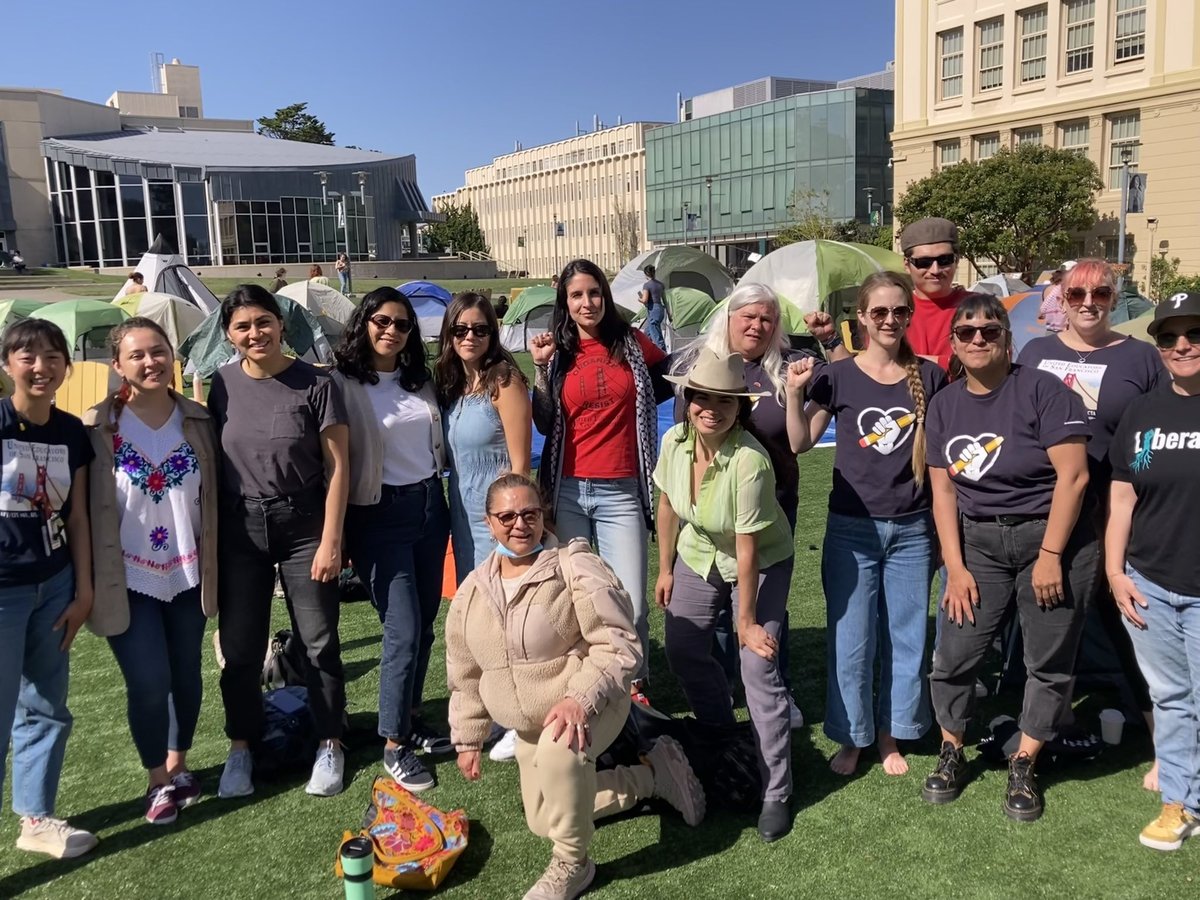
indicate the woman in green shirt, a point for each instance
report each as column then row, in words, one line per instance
column 723, row 538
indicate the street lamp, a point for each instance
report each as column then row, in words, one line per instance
column 362, row 188
column 555, row 215
column 324, row 176
column 708, row 180
column 687, row 204
column 870, row 192
column 1126, row 156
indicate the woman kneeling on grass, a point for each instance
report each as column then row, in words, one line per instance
column 541, row 637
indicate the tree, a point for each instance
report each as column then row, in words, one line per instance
column 811, row 221
column 627, row 230
column 1018, row 209
column 294, row 123
column 460, row 231
column 1165, row 280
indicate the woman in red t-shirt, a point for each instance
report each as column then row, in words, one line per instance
column 596, row 387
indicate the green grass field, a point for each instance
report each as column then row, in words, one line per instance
column 869, row 836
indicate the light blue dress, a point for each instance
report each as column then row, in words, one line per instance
column 478, row 453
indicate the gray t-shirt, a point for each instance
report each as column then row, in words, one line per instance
column 270, row 429
column 655, row 288
column 994, row 445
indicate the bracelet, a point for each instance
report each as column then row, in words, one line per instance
column 1052, row 552
column 833, row 343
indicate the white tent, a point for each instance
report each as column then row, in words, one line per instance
column 177, row 317
column 332, row 308
column 674, row 267
column 163, row 270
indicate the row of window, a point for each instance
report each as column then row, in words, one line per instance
column 1077, row 45
column 512, row 198
column 295, row 230
column 565, row 159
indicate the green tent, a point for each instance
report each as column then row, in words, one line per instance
column 16, row 310
column 207, row 349
column 1137, row 327
column 687, row 311
column 86, row 324
column 528, row 315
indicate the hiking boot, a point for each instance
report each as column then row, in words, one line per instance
column 425, row 739
column 674, row 780
column 637, row 692
column 945, row 784
column 235, row 778
column 775, row 820
column 408, row 771
column 1173, row 826
column 327, row 771
column 563, row 880
column 1022, row 799
column 161, row 808
column 54, row 837
column 505, row 748
column 187, row 789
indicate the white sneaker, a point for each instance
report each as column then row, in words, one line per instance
column 235, row 778
column 794, row 713
column 505, row 748
column 54, row 837
column 327, row 771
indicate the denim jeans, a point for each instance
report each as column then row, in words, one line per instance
column 1168, row 651
column 159, row 655
column 33, row 690
column 255, row 537
column 608, row 513
column 654, row 320
column 398, row 547
column 344, row 280
column 876, row 574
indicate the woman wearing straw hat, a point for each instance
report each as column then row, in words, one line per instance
column 724, row 539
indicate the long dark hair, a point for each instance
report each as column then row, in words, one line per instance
column 245, row 295
column 613, row 328
column 975, row 306
column 355, row 358
column 497, row 368
column 115, row 336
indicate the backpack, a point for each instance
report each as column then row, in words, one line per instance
column 289, row 738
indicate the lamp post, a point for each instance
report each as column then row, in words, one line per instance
column 686, row 206
column 708, row 212
column 362, row 188
column 555, row 272
column 870, row 192
column 1126, row 156
column 525, row 248
column 324, row 176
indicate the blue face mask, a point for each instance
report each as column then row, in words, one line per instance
column 504, row 551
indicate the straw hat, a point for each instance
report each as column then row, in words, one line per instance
column 716, row 373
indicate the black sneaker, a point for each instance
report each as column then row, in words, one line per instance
column 425, row 739
column 945, row 784
column 1022, row 799
column 408, row 771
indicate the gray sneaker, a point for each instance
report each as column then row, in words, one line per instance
column 563, row 880
column 327, row 771
column 54, row 837
column 235, row 779
column 674, row 780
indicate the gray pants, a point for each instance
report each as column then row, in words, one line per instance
column 1001, row 559
column 691, row 617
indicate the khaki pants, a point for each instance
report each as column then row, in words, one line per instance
column 564, row 794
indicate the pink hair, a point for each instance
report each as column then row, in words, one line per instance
column 1089, row 273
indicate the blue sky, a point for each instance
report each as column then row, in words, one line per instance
column 454, row 81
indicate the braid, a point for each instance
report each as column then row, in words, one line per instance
column 120, row 398
column 916, row 390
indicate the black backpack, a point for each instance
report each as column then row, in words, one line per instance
column 289, row 738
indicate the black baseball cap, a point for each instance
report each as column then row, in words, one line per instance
column 1185, row 303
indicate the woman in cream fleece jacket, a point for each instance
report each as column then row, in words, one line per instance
column 541, row 637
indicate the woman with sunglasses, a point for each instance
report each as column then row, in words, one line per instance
column 877, row 561
column 1152, row 565
column 1008, row 469
column 397, row 523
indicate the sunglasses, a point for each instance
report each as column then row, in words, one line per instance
column 924, row 262
column 1166, row 339
column 1076, row 296
column 480, row 331
column 508, row 518
column 991, row 332
column 879, row 314
column 383, row 323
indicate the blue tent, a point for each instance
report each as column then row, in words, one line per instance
column 429, row 302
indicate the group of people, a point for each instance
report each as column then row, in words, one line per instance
column 1041, row 485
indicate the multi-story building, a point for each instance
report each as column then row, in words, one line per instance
column 1116, row 80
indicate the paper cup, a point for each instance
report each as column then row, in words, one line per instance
column 1112, row 723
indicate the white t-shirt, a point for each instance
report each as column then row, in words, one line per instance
column 406, row 426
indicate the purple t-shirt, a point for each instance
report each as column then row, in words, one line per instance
column 872, row 468
column 994, row 445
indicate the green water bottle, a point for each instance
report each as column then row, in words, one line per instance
column 358, row 861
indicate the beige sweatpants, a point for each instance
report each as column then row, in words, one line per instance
column 564, row 794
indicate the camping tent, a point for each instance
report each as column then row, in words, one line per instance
column 528, row 314
column 85, row 323
column 429, row 302
column 207, row 348
column 1023, row 319
column 999, row 286
column 674, row 267
column 1137, row 327
column 687, row 311
column 332, row 308
column 177, row 317
column 164, row 270
column 16, row 310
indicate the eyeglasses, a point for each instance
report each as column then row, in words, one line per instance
column 1076, row 296
column 924, row 262
column 383, row 323
column 508, row 518
column 480, row 331
column 1166, row 340
column 879, row 314
column 991, row 332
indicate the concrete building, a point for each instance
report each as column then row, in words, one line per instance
column 1106, row 78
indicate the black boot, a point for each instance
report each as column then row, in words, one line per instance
column 945, row 784
column 1022, row 799
column 775, row 820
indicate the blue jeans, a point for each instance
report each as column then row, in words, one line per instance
column 1168, row 653
column 607, row 512
column 654, row 320
column 398, row 547
column 344, row 279
column 159, row 655
column 33, row 690
column 876, row 574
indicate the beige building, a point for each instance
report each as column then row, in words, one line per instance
column 1107, row 78
column 541, row 207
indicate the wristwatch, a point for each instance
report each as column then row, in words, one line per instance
column 833, row 343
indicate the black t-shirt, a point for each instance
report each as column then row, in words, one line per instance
column 37, row 466
column 1156, row 448
column 994, row 445
column 1107, row 380
column 872, row 469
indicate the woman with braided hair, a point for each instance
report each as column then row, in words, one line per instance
column 878, row 555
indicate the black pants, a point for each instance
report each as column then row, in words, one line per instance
column 255, row 537
column 1001, row 559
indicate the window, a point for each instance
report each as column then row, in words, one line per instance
column 951, row 54
column 1081, row 34
column 991, row 54
column 949, row 152
column 1075, row 137
column 987, row 146
column 1130, row 30
column 1032, row 136
column 1125, row 132
column 1033, row 44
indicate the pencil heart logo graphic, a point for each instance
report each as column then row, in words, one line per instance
column 884, row 429
column 972, row 456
